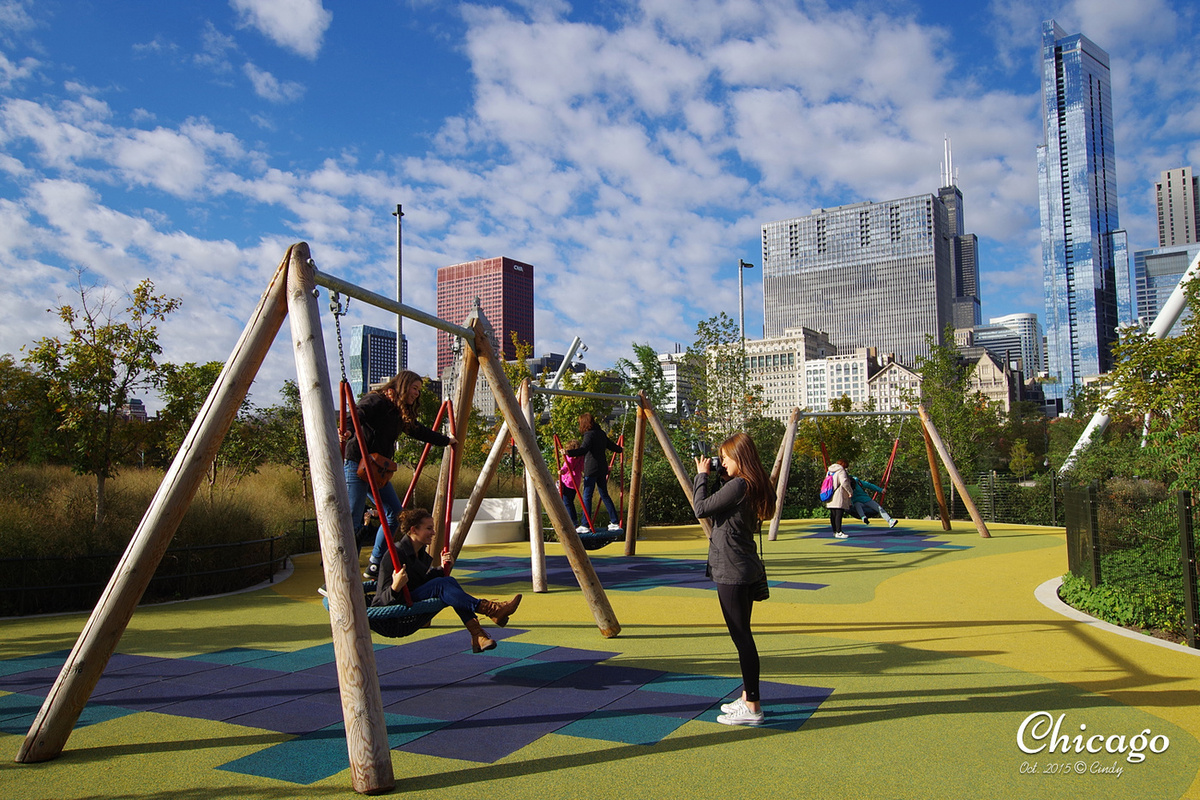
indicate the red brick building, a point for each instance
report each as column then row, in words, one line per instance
column 505, row 291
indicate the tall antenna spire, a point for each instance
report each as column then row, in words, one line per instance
column 949, row 176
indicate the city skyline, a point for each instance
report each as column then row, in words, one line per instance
column 630, row 150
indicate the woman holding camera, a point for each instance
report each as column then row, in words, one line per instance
column 737, row 510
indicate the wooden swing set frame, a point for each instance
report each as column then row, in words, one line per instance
column 292, row 294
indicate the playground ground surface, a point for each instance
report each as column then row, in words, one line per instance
column 902, row 663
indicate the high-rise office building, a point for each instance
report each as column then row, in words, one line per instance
column 505, row 291
column 1028, row 335
column 1177, row 194
column 1155, row 274
column 964, row 249
column 870, row 275
column 1084, row 252
column 372, row 357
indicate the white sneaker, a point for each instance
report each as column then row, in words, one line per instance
column 734, row 707
column 743, row 716
column 612, row 526
column 841, row 535
column 583, row 529
column 892, row 522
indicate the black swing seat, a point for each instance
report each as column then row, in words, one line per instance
column 598, row 539
column 400, row 620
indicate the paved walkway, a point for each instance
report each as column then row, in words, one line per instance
column 910, row 663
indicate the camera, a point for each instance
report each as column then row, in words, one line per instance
column 714, row 463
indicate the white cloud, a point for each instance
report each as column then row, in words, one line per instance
column 297, row 25
column 15, row 72
column 268, row 87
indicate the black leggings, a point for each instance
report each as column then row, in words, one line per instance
column 835, row 519
column 736, row 604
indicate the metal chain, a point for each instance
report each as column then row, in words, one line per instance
column 335, row 306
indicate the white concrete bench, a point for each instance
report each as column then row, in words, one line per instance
column 500, row 519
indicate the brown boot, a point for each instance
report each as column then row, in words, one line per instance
column 499, row 612
column 480, row 641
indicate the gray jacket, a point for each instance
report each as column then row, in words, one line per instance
column 732, row 556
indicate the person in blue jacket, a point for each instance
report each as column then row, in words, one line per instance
column 861, row 502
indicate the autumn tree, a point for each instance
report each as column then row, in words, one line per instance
column 110, row 351
column 725, row 398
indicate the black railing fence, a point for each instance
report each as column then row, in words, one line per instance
column 47, row 584
column 1144, row 546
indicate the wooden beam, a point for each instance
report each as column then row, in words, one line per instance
column 952, row 471
column 636, row 467
column 67, row 697
column 510, row 408
column 936, row 477
column 537, row 542
column 358, row 679
column 783, row 466
column 681, row 473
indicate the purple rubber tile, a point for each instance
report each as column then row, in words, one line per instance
column 151, row 696
column 663, row 704
column 577, row 697
column 229, row 677
column 572, row 654
column 162, row 668
column 296, row 716
column 489, row 736
column 457, row 702
column 36, row 681
column 121, row 682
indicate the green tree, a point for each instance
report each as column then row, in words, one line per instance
column 1160, row 377
column 725, row 398
column 28, row 421
column 108, row 353
column 967, row 423
column 1021, row 461
column 644, row 375
column 282, row 426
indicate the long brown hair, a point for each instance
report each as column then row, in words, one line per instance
column 740, row 447
column 399, row 386
column 586, row 421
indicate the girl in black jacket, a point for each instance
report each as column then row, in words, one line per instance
column 424, row 580
column 737, row 510
column 595, row 467
column 383, row 415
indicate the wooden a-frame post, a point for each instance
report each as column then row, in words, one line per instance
column 535, row 465
column 366, row 735
column 636, row 468
column 952, row 471
column 779, row 473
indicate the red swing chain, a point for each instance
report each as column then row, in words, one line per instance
column 347, row 401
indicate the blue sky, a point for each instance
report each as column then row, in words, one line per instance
column 630, row 150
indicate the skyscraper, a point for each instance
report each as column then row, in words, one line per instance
column 964, row 249
column 1178, row 196
column 869, row 274
column 1156, row 272
column 1084, row 252
column 372, row 356
column 505, row 291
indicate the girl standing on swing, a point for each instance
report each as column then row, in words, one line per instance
column 595, row 466
column 384, row 414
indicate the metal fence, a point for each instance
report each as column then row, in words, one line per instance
column 47, row 584
column 1146, row 548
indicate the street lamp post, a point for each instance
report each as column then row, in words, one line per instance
column 400, row 361
column 742, row 265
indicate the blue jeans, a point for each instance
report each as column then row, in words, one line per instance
column 568, row 497
column 589, row 485
column 359, row 490
column 449, row 592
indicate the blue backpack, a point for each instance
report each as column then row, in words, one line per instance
column 827, row 488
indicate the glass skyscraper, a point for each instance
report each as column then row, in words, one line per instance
column 869, row 274
column 1084, row 253
column 371, row 356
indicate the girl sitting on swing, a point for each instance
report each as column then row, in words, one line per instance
column 383, row 415
column 425, row 580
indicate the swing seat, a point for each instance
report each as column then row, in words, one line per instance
column 598, row 539
column 397, row 621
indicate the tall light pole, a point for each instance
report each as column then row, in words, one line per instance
column 400, row 365
column 742, row 265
